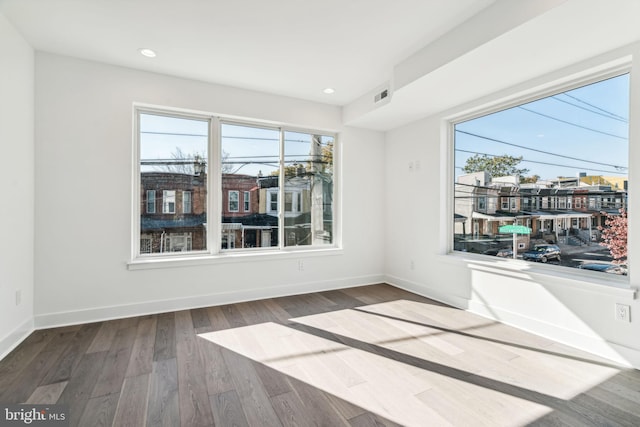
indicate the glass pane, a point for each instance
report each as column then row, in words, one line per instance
column 308, row 189
column 558, row 167
column 250, row 164
column 173, row 176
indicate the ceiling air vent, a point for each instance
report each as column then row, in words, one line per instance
column 380, row 96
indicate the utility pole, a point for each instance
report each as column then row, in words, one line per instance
column 317, row 196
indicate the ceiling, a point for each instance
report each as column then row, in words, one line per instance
column 289, row 47
column 430, row 54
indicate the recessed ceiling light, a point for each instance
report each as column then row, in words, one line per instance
column 329, row 90
column 149, row 53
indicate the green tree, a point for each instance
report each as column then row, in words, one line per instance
column 495, row 165
column 529, row 179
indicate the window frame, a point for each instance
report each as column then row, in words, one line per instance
column 165, row 203
column 153, row 202
column 565, row 80
column 214, row 195
column 184, row 201
column 246, row 201
column 237, row 201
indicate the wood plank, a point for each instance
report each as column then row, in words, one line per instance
column 195, row 408
column 281, row 315
column 165, row 343
column 200, row 318
column 132, row 405
column 371, row 420
column 217, row 319
column 72, row 355
column 47, row 394
column 275, row 383
column 215, row 373
column 115, row 365
column 233, row 316
column 19, row 358
column 227, row 409
column 347, row 409
column 100, row 411
column 141, row 361
column 31, row 376
column 251, row 392
column 317, row 407
column 78, row 390
column 163, row 403
column 291, row 410
column 104, row 337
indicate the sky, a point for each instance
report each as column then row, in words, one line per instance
column 582, row 130
column 245, row 149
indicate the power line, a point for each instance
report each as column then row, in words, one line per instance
column 540, row 151
column 542, row 163
column 607, row 115
column 595, row 106
column 256, row 138
column 572, row 124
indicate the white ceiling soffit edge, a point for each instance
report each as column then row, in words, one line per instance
column 505, row 44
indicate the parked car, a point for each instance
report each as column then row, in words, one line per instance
column 499, row 252
column 605, row 268
column 542, row 253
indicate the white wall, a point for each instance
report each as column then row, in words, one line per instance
column 16, row 176
column 574, row 311
column 83, row 188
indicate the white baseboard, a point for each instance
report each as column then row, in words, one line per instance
column 15, row 337
column 50, row 320
column 615, row 352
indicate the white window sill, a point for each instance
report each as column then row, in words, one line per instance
column 602, row 283
column 199, row 259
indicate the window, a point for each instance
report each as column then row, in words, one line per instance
column 294, row 169
column 151, row 201
column 273, row 187
column 569, row 149
column 234, row 202
column 173, row 153
column 186, row 202
column 273, row 202
column 504, row 203
column 169, row 201
column 482, row 203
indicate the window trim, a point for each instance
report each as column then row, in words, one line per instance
column 237, row 193
column 214, row 199
column 147, row 204
column 184, row 204
column 246, row 201
column 588, row 72
column 165, row 204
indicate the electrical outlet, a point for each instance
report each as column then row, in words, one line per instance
column 412, row 265
column 623, row 313
column 300, row 265
column 18, row 297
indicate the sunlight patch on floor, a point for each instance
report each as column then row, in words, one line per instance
column 398, row 391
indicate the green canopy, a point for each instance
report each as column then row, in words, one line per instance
column 519, row 229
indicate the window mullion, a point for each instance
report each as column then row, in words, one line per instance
column 214, row 187
column 281, row 201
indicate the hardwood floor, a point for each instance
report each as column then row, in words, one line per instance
column 366, row 356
